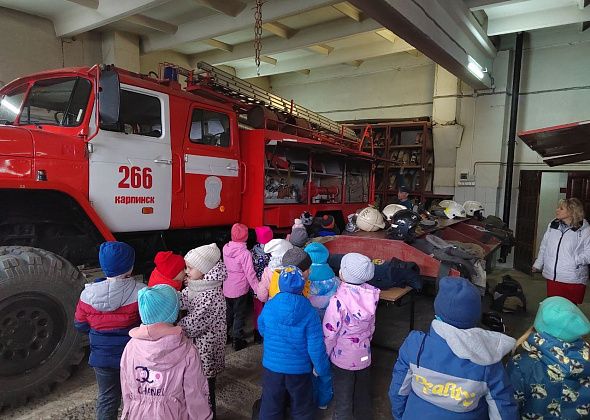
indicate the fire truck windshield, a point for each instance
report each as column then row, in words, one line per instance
column 58, row 101
column 10, row 104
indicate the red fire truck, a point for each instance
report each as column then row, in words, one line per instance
column 95, row 154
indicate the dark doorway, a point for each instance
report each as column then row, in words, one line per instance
column 526, row 220
column 578, row 185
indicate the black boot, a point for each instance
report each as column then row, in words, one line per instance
column 240, row 344
column 257, row 337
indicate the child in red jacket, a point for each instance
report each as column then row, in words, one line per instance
column 169, row 270
column 107, row 310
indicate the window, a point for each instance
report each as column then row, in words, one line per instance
column 59, row 101
column 139, row 114
column 210, row 128
column 10, row 105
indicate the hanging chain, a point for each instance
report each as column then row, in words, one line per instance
column 258, row 34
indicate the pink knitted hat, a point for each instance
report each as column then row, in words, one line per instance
column 239, row 232
column 263, row 234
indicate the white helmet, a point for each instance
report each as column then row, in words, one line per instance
column 390, row 210
column 446, row 203
column 455, row 210
column 370, row 220
column 471, row 207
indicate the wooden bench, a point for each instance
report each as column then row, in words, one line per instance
column 396, row 296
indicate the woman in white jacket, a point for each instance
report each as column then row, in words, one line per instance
column 564, row 253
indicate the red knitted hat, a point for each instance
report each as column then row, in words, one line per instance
column 169, row 264
column 239, row 233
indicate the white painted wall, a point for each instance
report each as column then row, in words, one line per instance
column 390, row 87
column 30, row 45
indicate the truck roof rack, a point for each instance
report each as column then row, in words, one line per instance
column 249, row 95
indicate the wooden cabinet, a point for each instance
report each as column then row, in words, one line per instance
column 405, row 156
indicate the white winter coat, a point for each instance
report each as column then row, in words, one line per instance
column 564, row 253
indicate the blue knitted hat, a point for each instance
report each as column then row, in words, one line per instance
column 291, row 280
column 116, row 258
column 560, row 318
column 158, row 304
column 458, row 302
column 319, row 270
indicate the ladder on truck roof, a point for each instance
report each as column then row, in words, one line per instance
column 251, row 94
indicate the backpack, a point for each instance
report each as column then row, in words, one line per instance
column 508, row 288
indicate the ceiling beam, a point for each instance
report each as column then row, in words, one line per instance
column 156, row 24
column 219, row 45
column 474, row 5
column 268, row 60
column 538, row 19
column 214, row 26
column 227, row 7
column 317, row 34
column 77, row 20
column 354, row 63
column 387, row 34
column 321, row 49
column 443, row 30
column 279, row 29
column 338, row 56
column 91, row 4
column 349, row 10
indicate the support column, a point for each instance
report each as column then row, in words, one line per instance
column 121, row 49
column 446, row 132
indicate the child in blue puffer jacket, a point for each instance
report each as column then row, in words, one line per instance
column 551, row 376
column 293, row 347
column 455, row 370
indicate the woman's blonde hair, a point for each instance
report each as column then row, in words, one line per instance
column 575, row 207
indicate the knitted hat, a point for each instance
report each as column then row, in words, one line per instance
column 169, row 263
column 458, row 302
column 291, row 280
column 298, row 237
column 116, row 258
column 277, row 248
column 239, row 232
column 559, row 317
column 327, row 221
column 158, row 304
column 356, row 268
column 298, row 257
column 203, row 258
column 298, row 224
column 319, row 270
column 263, row 234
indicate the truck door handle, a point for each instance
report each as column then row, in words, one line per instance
column 163, row 161
column 231, row 168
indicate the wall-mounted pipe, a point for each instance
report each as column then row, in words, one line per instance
column 512, row 130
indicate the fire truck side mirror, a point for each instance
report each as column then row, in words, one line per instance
column 109, row 97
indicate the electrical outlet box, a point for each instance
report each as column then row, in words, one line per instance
column 465, row 179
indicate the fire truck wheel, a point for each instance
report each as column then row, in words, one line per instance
column 38, row 341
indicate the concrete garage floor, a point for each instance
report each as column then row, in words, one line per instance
column 239, row 386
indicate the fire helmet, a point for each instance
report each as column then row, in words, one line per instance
column 472, row 207
column 455, row 210
column 403, row 225
column 390, row 210
column 370, row 219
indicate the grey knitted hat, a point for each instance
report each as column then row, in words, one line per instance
column 298, row 237
column 297, row 257
column 356, row 268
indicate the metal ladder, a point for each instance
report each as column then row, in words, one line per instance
column 252, row 94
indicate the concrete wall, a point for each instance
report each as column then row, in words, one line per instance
column 555, row 89
column 30, row 45
column 390, row 87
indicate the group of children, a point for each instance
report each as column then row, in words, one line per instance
column 316, row 329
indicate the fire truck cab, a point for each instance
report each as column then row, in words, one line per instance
column 94, row 154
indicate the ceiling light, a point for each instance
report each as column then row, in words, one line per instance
column 475, row 68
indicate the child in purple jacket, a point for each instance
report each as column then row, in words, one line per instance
column 348, row 325
column 240, row 278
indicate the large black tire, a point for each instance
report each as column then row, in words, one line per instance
column 38, row 342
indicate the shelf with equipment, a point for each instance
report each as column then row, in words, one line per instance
column 405, row 156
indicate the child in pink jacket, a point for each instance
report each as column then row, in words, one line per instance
column 348, row 325
column 161, row 372
column 240, row 277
